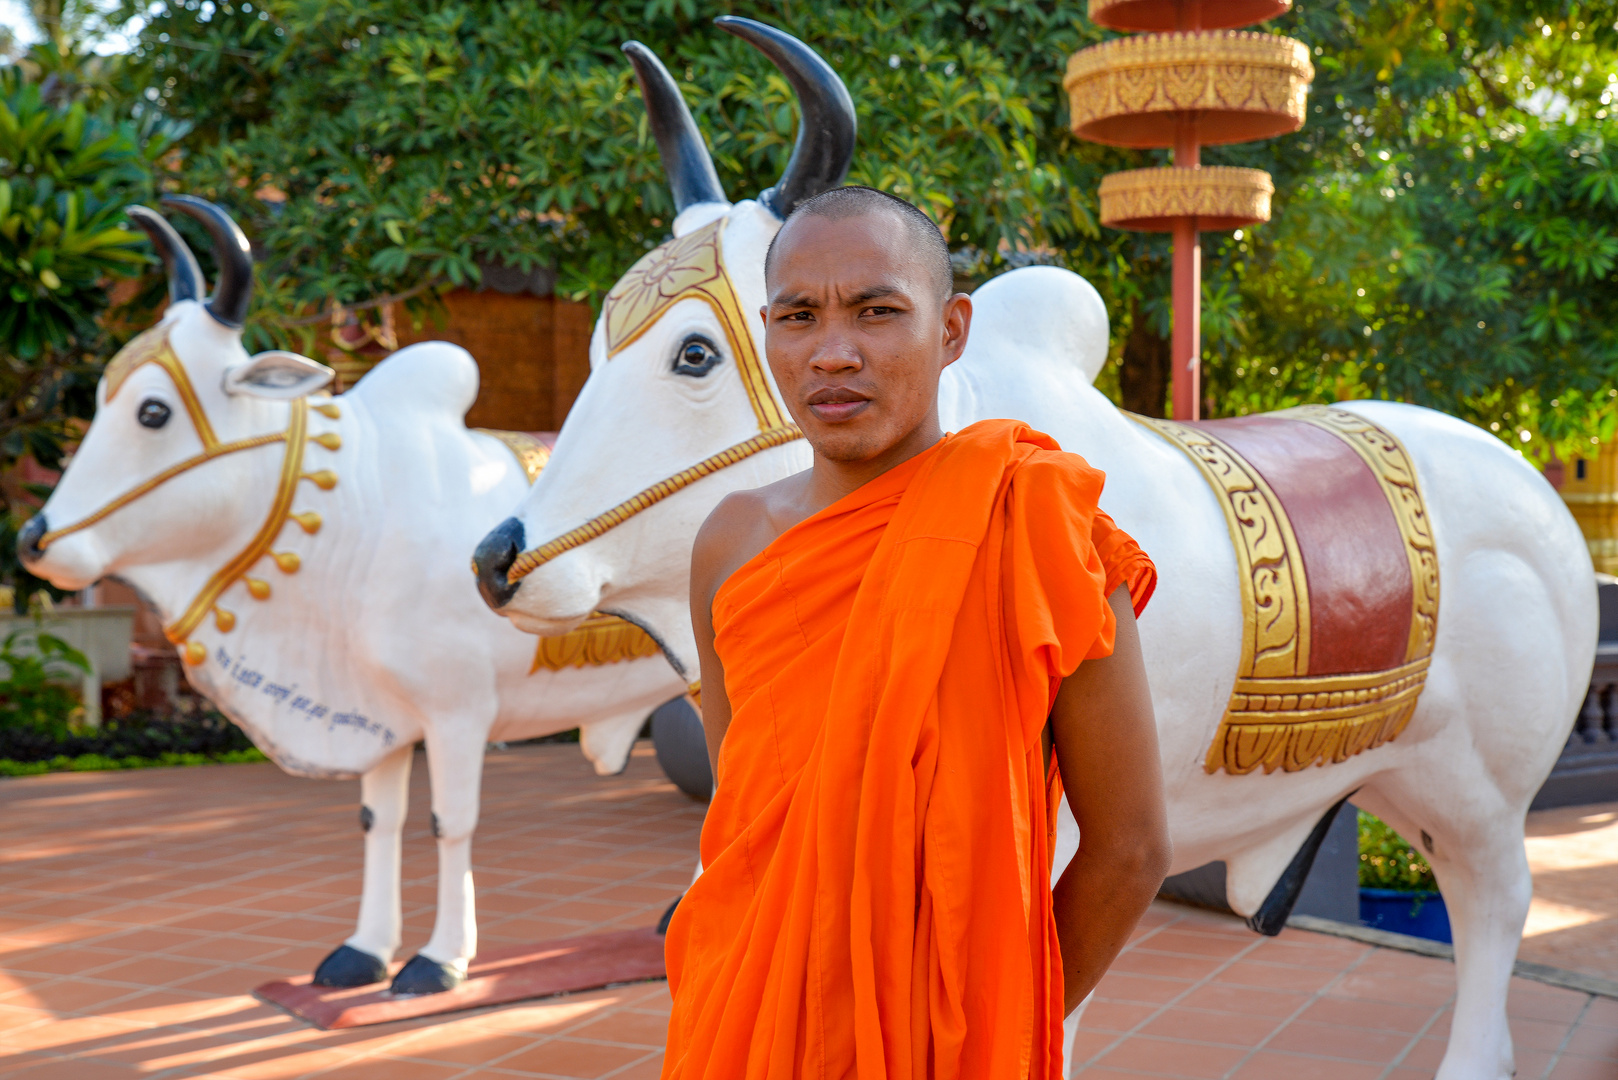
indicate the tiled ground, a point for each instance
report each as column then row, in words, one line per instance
column 1573, row 852
column 1198, row 996
column 137, row 910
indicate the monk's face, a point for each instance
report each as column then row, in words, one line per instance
column 857, row 333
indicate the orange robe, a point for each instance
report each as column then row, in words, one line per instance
column 876, row 901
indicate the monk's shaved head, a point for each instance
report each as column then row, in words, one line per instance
column 924, row 241
column 859, row 326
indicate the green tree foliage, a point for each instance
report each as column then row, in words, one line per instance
column 1447, row 223
column 375, row 147
column 66, row 174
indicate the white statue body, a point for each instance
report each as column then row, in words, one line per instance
column 378, row 640
column 1516, row 627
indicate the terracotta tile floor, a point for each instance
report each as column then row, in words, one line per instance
column 1573, row 852
column 138, row 909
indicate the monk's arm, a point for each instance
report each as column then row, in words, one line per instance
column 1106, row 748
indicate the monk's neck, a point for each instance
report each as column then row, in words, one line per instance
column 831, row 480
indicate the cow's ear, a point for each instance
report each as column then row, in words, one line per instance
column 279, row 375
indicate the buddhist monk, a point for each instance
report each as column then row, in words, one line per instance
column 908, row 653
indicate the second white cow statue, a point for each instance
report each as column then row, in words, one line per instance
column 1372, row 600
column 308, row 556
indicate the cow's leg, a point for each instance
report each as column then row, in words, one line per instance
column 607, row 743
column 456, row 764
column 384, row 797
column 1500, row 697
column 1475, row 846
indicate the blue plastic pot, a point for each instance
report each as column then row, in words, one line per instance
column 1419, row 914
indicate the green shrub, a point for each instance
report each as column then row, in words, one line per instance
column 36, row 691
column 1388, row 862
column 102, row 763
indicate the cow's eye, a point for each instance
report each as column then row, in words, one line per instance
column 152, row 413
column 697, row 357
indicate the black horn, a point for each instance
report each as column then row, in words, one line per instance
column 825, row 145
column 234, row 289
column 185, row 276
column 679, row 143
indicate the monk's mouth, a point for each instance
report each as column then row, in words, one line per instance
column 833, row 412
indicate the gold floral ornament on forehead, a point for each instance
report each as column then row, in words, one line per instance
column 689, row 267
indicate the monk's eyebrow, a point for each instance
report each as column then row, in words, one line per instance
column 796, row 300
column 879, row 291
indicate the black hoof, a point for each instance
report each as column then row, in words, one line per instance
column 424, row 976
column 347, row 966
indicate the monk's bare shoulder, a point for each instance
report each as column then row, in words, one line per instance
column 742, row 525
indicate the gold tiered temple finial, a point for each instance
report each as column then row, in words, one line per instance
column 1189, row 81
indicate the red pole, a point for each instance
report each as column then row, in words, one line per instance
column 1187, row 345
column 1187, row 354
column 1187, row 320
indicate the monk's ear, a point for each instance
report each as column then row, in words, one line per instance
column 957, row 326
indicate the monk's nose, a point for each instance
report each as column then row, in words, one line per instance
column 493, row 559
column 838, row 356
column 28, row 549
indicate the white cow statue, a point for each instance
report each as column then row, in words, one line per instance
column 1296, row 645
column 308, row 555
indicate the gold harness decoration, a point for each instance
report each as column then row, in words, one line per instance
column 529, row 561
column 1280, row 715
column 602, row 639
column 687, row 267
column 152, row 347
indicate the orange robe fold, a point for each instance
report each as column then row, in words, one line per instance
column 875, row 900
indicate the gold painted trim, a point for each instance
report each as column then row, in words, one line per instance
column 1288, row 719
column 687, row 267
column 530, row 453
column 1188, row 72
column 152, row 347
column 280, row 510
column 534, row 558
column 1275, row 595
column 1390, row 463
column 602, row 639
column 1223, row 196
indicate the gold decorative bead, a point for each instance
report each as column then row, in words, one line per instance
column 288, row 561
column 260, row 590
column 224, row 620
column 329, row 439
column 325, row 479
column 195, row 652
column 327, row 409
column 309, row 521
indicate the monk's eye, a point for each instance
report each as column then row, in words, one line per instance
column 152, row 413
column 697, row 357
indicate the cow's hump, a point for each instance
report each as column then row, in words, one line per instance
column 433, row 376
column 1039, row 314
